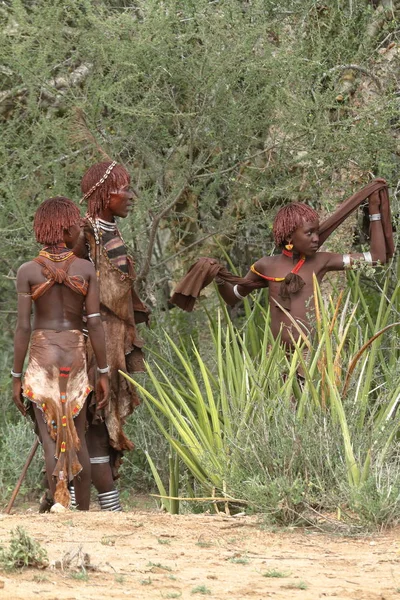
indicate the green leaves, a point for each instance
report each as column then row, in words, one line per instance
column 206, row 404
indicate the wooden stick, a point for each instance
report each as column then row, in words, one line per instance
column 22, row 476
column 208, row 499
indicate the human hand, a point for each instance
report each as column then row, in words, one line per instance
column 374, row 203
column 102, row 391
column 17, row 395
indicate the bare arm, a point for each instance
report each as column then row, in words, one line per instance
column 226, row 289
column 22, row 332
column 378, row 247
column 97, row 337
column 23, row 327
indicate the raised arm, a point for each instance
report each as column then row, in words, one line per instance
column 22, row 334
column 97, row 337
column 337, row 262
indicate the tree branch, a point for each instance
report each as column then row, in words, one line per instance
column 58, row 83
column 144, row 271
column 362, row 70
column 160, row 264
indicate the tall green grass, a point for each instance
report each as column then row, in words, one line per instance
column 243, row 423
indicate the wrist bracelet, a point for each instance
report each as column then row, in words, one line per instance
column 375, row 217
column 237, row 293
column 93, row 315
column 105, row 370
column 16, row 375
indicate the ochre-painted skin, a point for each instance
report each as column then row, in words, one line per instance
column 305, row 242
column 119, row 205
column 59, row 309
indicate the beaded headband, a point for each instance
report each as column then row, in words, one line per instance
column 96, row 185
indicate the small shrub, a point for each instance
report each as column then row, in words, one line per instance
column 275, row 573
column 23, row 552
column 201, row 589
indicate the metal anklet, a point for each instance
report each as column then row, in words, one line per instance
column 110, row 501
column 73, row 497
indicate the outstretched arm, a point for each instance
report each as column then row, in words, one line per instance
column 337, row 262
column 22, row 334
column 232, row 294
column 97, row 337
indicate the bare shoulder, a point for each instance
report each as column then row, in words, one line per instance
column 85, row 267
column 26, row 269
column 264, row 264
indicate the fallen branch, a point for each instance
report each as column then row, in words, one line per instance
column 206, row 499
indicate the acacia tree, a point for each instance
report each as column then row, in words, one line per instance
column 220, row 110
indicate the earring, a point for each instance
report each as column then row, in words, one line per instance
column 289, row 247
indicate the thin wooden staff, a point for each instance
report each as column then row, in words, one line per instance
column 22, row 476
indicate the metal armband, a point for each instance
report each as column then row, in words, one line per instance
column 368, row 258
column 346, row 261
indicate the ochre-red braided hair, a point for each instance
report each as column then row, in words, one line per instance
column 289, row 218
column 98, row 201
column 52, row 218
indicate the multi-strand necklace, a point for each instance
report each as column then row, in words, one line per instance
column 57, row 253
column 99, row 227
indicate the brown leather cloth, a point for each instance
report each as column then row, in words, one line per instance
column 56, row 381
column 121, row 310
column 58, row 274
column 376, row 186
column 205, row 270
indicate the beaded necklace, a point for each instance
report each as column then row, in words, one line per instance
column 58, row 253
column 99, row 225
column 295, row 269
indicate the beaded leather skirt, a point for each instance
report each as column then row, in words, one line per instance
column 56, row 381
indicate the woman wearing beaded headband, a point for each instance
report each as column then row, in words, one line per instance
column 55, row 381
column 106, row 188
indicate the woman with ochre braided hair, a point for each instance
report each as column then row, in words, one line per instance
column 55, row 382
column 298, row 234
column 107, row 191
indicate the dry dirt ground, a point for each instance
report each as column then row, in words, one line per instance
column 153, row 555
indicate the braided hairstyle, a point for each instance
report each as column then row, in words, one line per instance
column 100, row 197
column 289, row 218
column 52, row 218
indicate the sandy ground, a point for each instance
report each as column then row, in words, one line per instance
column 152, row 555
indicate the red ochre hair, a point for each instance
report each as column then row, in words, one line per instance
column 289, row 218
column 100, row 198
column 51, row 219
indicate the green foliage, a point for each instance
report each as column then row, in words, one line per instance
column 22, row 552
column 15, row 443
column 244, row 425
column 243, row 104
